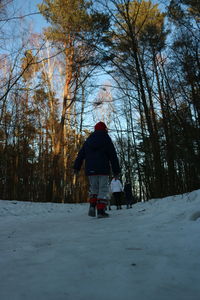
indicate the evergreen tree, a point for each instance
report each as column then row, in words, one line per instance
column 73, row 25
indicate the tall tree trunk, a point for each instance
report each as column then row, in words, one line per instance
column 171, row 175
column 153, row 135
column 59, row 163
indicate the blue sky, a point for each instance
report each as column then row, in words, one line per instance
column 30, row 7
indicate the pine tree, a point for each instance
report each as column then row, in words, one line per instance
column 74, row 30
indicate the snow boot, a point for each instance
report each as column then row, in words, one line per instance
column 92, row 208
column 102, row 214
column 101, row 207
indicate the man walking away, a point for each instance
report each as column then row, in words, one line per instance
column 100, row 158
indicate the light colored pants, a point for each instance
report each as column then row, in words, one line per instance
column 99, row 185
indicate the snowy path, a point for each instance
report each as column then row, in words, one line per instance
column 148, row 252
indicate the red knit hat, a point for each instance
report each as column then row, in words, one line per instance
column 101, row 126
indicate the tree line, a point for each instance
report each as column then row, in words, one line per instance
column 50, row 93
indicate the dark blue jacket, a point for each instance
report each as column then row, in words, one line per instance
column 99, row 154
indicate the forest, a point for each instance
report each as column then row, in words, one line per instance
column 134, row 65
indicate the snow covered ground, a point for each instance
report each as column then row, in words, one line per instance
column 56, row 252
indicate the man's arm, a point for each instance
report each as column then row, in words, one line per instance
column 113, row 158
